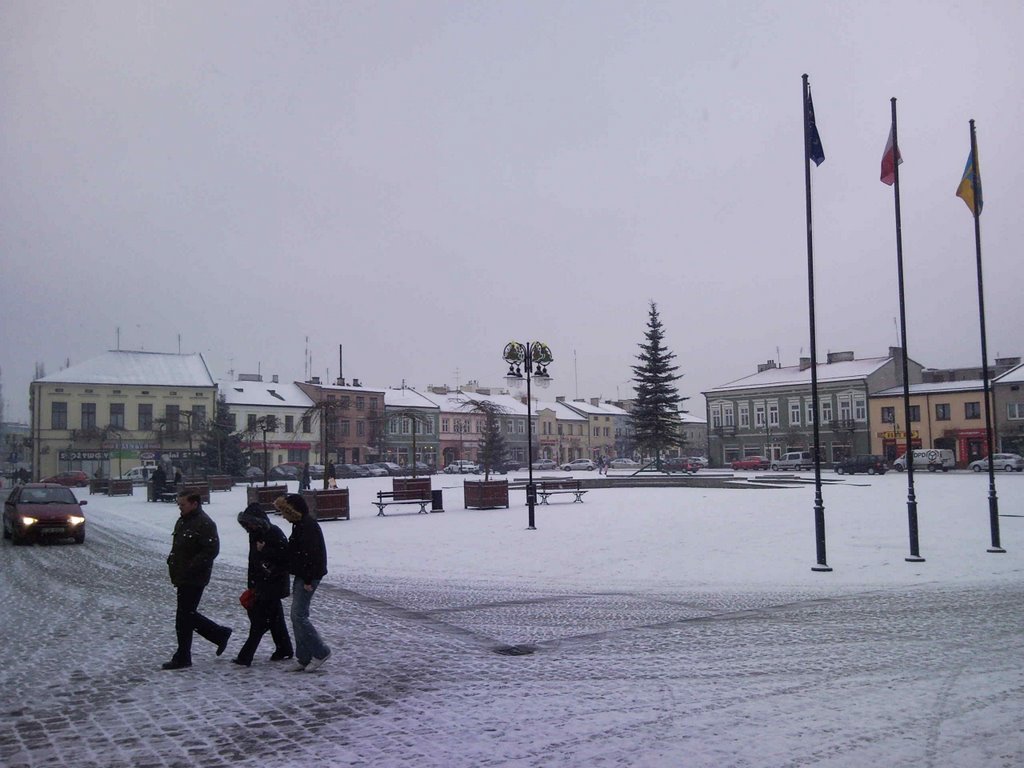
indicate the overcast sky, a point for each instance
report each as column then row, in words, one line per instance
column 423, row 181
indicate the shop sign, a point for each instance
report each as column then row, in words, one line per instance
column 84, row 455
column 899, row 435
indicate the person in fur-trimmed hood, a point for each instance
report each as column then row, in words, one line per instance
column 268, row 579
column 307, row 561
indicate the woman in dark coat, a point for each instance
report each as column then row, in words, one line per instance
column 268, row 579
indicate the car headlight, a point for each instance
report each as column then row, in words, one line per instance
column 27, row 521
column 76, row 519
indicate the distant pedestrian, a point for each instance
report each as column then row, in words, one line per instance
column 268, row 579
column 307, row 561
column 329, row 475
column 177, row 476
column 159, row 482
column 194, row 547
column 304, row 482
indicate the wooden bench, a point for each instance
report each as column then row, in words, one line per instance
column 221, row 482
column 388, row 498
column 330, row 504
column 120, row 488
column 265, row 495
column 555, row 487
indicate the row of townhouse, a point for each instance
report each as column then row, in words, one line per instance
column 861, row 409
column 111, row 412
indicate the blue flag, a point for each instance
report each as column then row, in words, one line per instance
column 814, row 149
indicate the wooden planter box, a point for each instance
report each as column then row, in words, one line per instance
column 202, row 488
column 331, row 504
column 99, row 485
column 264, row 496
column 411, row 488
column 486, row 494
column 221, row 482
column 120, row 488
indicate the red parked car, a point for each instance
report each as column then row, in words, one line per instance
column 36, row 511
column 74, row 479
column 752, row 462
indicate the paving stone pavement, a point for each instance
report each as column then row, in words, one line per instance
column 415, row 680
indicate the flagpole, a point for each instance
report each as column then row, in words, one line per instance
column 993, row 501
column 915, row 551
column 819, row 504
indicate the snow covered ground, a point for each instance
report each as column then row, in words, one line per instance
column 666, row 627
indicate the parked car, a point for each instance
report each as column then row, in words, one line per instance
column 37, row 511
column 932, row 459
column 253, row 473
column 316, row 471
column 509, row 465
column 702, row 460
column 623, row 463
column 462, row 467
column 351, row 470
column 391, row 468
column 870, row 463
column 138, row 475
column 545, row 464
column 578, row 465
column 376, row 470
column 1011, row 462
column 680, row 464
column 421, row 469
column 751, row 462
column 794, row 460
column 71, row 479
column 285, row 472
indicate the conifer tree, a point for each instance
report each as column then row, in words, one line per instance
column 656, row 410
column 492, row 449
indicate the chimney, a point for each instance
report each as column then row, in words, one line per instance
column 805, row 363
column 250, row 377
column 1009, row 362
column 560, row 399
column 341, row 382
column 355, row 383
column 595, row 401
column 273, row 379
column 896, row 353
column 314, row 380
column 767, row 365
column 840, row 357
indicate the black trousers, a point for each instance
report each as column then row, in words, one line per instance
column 188, row 619
column 266, row 614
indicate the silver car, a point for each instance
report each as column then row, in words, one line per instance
column 1010, row 462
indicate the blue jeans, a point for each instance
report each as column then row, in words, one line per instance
column 307, row 641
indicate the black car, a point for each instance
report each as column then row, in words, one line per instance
column 872, row 464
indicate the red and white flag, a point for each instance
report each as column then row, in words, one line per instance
column 890, row 158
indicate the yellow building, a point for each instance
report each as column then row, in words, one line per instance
column 948, row 414
column 112, row 412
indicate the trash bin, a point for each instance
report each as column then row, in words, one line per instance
column 437, row 501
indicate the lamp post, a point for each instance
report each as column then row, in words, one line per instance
column 520, row 358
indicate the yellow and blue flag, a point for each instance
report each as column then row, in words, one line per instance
column 970, row 180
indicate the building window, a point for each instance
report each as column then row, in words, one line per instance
column 845, row 409
column 860, row 409
column 88, row 415
column 344, row 402
column 773, row 414
column 606, row 431
column 727, row 415
column 888, row 414
column 759, row 416
column 393, row 427
column 560, row 429
column 117, row 415
column 360, row 428
column 305, row 425
column 345, row 428
column 58, row 415
column 915, row 413
column 1015, row 411
column 744, row 416
column 233, row 421
column 406, row 426
column 521, row 426
column 289, row 423
column 360, row 403
column 810, row 412
column 942, row 412
column 171, row 414
column 373, row 404
column 198, row 417
column 716, row 416
column 826, row 412
column 972, row 410
column 794, row 413
column 251, row 422
column 444, row 425
column 145, row 417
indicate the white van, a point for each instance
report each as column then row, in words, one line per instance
column 138, row 475
column 794, row 460
column 932, row 459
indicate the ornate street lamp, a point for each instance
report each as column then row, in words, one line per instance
column 532, row 358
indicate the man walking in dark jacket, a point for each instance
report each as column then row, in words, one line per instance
column 194, row 546
column 268, row 580
column 307, row 560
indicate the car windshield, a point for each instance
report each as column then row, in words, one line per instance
column 47, row 496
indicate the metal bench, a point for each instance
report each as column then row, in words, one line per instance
column 389, row 498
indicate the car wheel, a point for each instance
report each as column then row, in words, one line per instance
column 7, row 533
column 976, row 467
column 80, row 538
column 871, row 470
column 1008, row 468
column 931, row 467
column 839, row 470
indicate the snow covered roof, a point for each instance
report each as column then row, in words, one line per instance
column 968, row 385
column 562, row 411
column 844, row 370
column 264, row 394
column 456, row 402
column 1013, row 376
column 155, row 369
column 406, row 398
column 689, row 418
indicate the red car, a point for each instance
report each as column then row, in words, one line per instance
column 751, row 462
column 74, row 479
column 36, row 511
